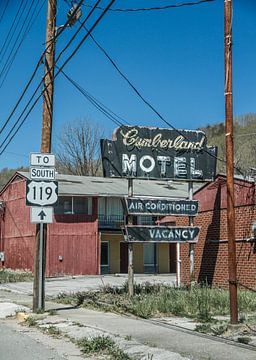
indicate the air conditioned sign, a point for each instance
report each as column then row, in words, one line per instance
column 143, row 206
column 156, row 153
column 160, row 234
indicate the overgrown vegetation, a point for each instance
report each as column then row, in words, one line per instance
column 102, row 345
column 244, row 142
column 200, row 301
column 9, row 275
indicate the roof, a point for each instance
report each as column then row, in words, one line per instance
column 73, row 185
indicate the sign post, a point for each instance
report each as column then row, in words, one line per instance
column 41, row 191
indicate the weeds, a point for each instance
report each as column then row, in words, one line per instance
column 200, row 301
column 104, row 345
column 31, row 321
column 9, row 275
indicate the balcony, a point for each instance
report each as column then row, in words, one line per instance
column 110, row 221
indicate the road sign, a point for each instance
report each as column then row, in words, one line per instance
column 41, row 215
column 41, row 193
column 38, row 159
column 161, row 234
column 143, row 206
column 42, row 173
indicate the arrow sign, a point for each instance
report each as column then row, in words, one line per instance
column 42, row 215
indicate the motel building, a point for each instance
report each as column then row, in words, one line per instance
column 85, row 236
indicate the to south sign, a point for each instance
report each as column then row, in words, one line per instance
column 157, row 234
column 156, row 153
column 143, row 206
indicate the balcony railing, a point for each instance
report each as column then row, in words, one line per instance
column 110, row 221
column 115, row 221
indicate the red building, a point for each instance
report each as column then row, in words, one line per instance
column 85, row 236
column 211, row 251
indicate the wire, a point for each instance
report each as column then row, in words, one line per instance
column 101, row 107
column 165, row 7
column 6, row 5
column 10, row 30
column 60, row 69
column 33, row 75
column 147, row 102
column 26, row 32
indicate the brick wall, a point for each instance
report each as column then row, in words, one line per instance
column 211, row 251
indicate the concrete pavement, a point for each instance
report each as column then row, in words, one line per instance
column 54, row 286
column 142, row 339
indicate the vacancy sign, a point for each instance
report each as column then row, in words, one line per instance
column 41, row 215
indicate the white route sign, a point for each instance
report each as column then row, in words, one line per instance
column 42, row 173
column 38, row 159
column 41, row 215
column 41, row 193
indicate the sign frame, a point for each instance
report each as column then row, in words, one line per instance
column 42, row 159
column 160, row 207
column 41, row 178
column 141, row 234
column 158, row 153
column 45, row 218
column 43, row 184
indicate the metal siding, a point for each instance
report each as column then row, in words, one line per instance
column 75, row 237
column 18, row 234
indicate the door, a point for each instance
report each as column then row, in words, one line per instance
column 173, row 258
column 123, row 257
column 104, row 258
column 150, row 258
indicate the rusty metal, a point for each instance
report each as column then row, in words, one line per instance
column 230, row 161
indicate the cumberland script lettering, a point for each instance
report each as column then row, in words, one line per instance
column 131, row 138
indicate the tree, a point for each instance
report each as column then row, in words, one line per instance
column 78, row 148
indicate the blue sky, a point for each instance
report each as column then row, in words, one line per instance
column 174, row 57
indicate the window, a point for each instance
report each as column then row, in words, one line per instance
column 82, row 205
column 64, row 205
column 73, row 205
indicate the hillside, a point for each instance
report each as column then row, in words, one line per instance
column 244, row 143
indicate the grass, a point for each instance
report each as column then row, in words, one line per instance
column 9, row 275
column 102, row 345
column 31, row 321
column 200, row 301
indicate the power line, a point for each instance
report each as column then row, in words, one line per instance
column 10, row 30
column 146, row 101
column 17, row 37
column 34, row 73
column 164, row 7
column 6, row 5
column 26, row 32
column 60, row 69
column 101, row 107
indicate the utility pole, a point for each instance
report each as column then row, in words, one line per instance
column 191, row 246
column 130, row 247
column 230, row 161
column 41, row 229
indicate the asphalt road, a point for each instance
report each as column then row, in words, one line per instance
column 21, row 343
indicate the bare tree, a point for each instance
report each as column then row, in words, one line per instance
column 78, row 148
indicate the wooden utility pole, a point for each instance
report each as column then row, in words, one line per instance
column 130, row 246
column 230, row 161
column 39, row 269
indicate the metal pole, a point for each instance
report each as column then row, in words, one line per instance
column 230, row 161
column 40, row 277
column 191, row 246
column 38, row 301
column 130, row 247
column 178, row 263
